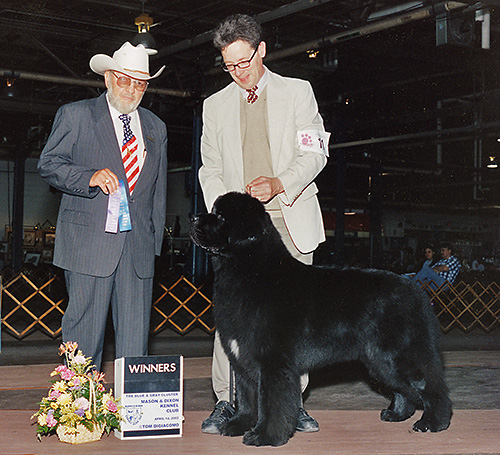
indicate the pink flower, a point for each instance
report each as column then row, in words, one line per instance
column 111, row 406
column 65, row 372
column 51, row 421
column 54, row 394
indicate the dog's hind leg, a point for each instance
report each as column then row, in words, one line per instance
column 390, row 373
column 436, row 402
column 401, row 408
column 278, row 407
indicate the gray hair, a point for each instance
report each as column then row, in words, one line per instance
column 237, row 27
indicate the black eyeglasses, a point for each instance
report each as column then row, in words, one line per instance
column 242, row 65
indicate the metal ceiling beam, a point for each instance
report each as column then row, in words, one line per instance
column 82, row 82
column 63, row 65
column 372, row 27
column 446, row 135
column 267, row 16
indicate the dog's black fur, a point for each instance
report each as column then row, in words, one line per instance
column 278, row 318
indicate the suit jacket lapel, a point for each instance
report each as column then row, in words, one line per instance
column 277, row 105
column 105, row 133
column 231, row 128
column 151, row 150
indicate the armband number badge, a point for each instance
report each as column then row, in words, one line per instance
column 313, row 141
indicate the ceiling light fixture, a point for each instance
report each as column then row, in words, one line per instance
column 10, row 90
column 492, row 164
column 144, row 22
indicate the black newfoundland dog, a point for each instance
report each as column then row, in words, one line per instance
column 278, row 318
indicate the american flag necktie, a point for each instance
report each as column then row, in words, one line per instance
column 129, row 153
column 252, row 96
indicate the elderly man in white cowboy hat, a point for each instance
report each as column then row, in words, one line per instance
column 108, row 157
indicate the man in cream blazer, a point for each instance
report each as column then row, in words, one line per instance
column 263, row 135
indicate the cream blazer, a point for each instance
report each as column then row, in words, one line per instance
column 292, row 108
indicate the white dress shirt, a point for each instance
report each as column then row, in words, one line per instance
column 135, row 126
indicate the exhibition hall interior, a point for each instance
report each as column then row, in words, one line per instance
column 410, row 92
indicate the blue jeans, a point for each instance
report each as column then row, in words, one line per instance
column 430, row 277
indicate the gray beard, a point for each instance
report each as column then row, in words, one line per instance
column 121, row 107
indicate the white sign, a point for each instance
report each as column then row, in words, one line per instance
column 150, row 390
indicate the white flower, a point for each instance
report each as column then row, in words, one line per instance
column 81, row 403
column 79, row 359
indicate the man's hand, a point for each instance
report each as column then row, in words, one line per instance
column 264, row 188
column 106, row 180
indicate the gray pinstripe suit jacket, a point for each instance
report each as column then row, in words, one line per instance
column 83, row 141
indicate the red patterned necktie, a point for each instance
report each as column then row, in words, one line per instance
column 252, row 96
column 129, row 153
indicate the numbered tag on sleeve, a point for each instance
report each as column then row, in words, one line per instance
column 313, row 141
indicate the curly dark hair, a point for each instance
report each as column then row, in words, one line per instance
column 446, row 245
column 237, row 27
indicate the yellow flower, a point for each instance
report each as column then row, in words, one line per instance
column 42, row 420
column 61, row 386
column 54, row 405
column 88, row 414
column 64, row 399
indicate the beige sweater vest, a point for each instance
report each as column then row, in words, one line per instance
column 255, row 142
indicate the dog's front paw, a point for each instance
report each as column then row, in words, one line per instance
column 251, row 438
column 236, row 426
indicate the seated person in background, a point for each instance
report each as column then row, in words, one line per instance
column 477, row 265
column 445, row 270
column 429, row 252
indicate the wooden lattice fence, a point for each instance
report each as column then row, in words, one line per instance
column 466, row 305
column 36, row 300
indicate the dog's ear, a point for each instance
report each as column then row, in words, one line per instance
column 242, row 222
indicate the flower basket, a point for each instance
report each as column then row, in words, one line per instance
column 77, row 408
column 81, row 435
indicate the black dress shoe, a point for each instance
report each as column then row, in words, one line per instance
column 223, row 411
column 306, row 423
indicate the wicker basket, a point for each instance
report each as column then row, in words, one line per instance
column 81, row 435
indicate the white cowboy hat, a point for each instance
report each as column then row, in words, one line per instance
column 130, row 60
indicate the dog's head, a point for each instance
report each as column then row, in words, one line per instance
column 237, row 222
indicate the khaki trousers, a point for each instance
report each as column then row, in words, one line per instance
column 220, row 362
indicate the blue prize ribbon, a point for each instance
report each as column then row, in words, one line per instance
column 124, row 218
column 113, row 213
